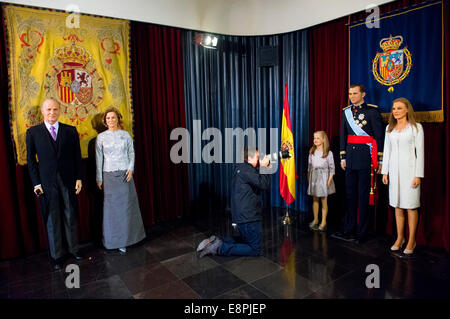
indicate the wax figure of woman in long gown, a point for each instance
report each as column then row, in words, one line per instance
column 122, row 221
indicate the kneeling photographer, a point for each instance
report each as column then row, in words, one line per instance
column 246, row 208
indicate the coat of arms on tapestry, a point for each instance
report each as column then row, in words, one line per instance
column 85, row 68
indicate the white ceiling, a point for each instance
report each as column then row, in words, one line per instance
column 233, row 17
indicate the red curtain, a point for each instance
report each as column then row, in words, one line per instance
column 162, row 187
column 328, row 69
column 158, row 99
column 328, row 95
column 328, row 60
column 19, row 219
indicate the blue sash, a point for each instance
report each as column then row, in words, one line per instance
column 358, row 130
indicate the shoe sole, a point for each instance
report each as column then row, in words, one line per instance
column 205, row 242
column 205, row 252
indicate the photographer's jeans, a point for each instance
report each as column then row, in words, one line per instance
column 249, row 244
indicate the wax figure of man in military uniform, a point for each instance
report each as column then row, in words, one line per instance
column 361, row 152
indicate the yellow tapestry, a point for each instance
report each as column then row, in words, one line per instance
column 83, row 64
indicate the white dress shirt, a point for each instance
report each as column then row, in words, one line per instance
column 56, row 126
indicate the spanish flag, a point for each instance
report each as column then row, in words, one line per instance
column 287, row 172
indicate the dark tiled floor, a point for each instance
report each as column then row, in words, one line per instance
column 297, row 263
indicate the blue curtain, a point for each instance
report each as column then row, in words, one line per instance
column 224, row 88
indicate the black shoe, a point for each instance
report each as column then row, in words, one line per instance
column 408, row 256
column 78, row 256
column 409, row 253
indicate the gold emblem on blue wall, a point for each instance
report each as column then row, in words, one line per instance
column 393, row 65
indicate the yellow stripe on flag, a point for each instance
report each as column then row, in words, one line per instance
column 287, row 172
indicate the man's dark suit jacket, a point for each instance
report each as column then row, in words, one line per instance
column 62, row 156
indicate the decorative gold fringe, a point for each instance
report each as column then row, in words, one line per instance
column 385, row 117
column 429, row 117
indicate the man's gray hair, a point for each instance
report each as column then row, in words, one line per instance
column 249, row 152
column 50, row 99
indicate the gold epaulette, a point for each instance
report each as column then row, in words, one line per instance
column 373, row 105
column 346, row 107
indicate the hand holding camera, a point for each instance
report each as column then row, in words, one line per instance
column 265, row 161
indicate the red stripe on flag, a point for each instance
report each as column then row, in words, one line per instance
column 286, row 108
column 61, row 93
column 284, row 188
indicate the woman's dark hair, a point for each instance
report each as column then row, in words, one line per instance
column 115, row 110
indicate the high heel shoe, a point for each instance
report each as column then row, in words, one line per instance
column 409, row 252
column 396, row 248
column 314, row 226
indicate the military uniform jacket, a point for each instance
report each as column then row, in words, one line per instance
column 368, row 118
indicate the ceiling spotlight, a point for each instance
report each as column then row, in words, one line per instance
column 206, row 40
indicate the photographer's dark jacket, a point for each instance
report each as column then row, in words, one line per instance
column 246, row 188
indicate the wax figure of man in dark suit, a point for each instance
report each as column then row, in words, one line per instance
column 57, row 176
column 361, row 152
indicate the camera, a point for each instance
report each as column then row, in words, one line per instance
column 281, row 154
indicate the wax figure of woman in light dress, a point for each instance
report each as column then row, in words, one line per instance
column 403, row 168
column 122, row 221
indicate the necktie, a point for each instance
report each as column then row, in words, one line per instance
column 52, row 132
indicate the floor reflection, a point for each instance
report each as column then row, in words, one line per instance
column 297, row 263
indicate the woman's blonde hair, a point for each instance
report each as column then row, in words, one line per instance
column 115, row 110
column 409, row 114
column 326, row 144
